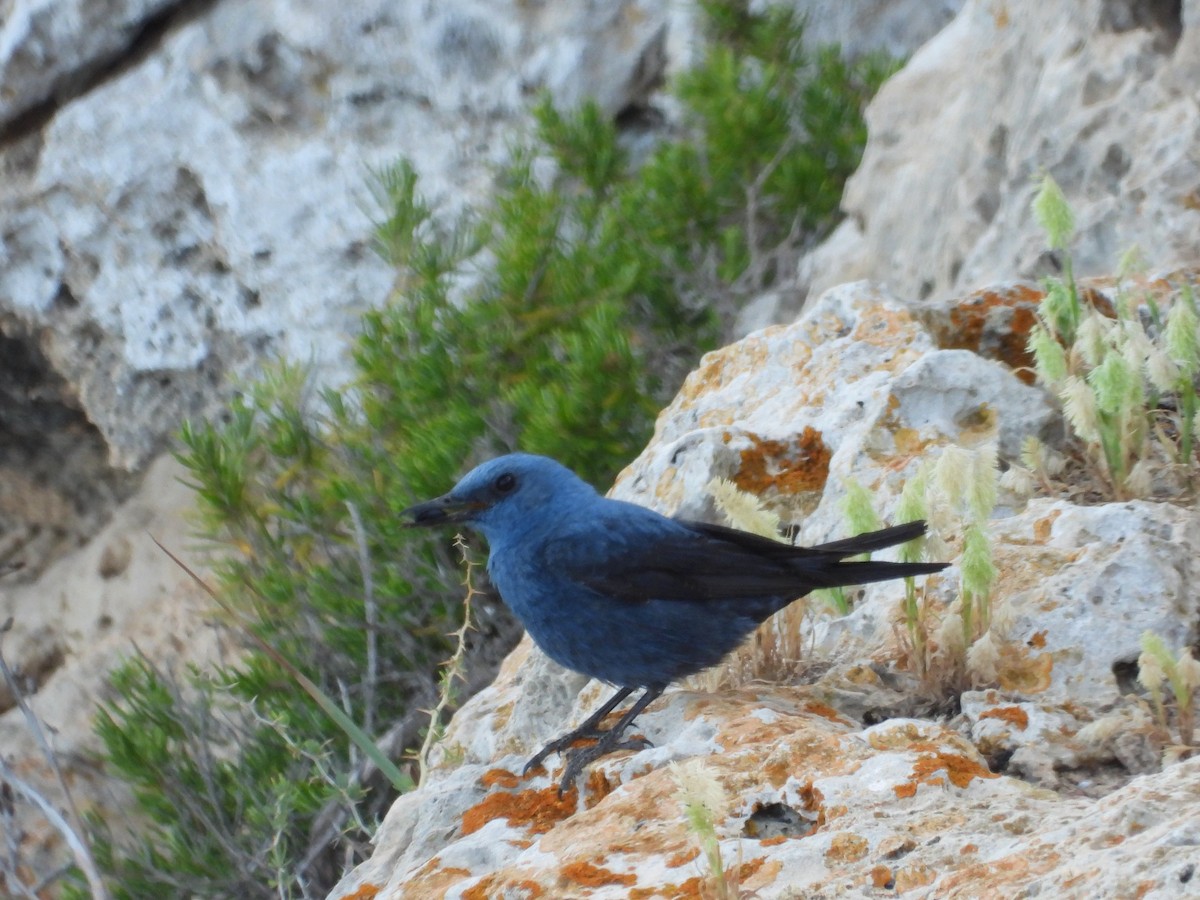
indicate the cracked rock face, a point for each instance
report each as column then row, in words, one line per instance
column 1099, row 93
column 191, row 195
column 840, row 770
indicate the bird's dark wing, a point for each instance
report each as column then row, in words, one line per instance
column 642, row 556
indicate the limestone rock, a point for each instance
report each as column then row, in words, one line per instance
column 876, row 25
column 50, row 48
column 1100, row 94
column 821, row 801
column 208, row 206
column 117, row 594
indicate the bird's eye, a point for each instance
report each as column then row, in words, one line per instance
column 506, row 482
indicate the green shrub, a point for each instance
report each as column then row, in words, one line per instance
column 558, row 320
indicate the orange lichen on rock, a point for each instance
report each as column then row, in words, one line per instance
column 824, row 710
column 590, row 875
column 433, row 880
column 364, row 892
column 747, row 870
column 883, row 325
column 1038, row 641
column 598, row 787
column 490, row 887
column 937, row 768
column 908, row 441
column 847, row 847
column 881, row 877
column 1013, row 715
column 1022, row 673
column 1044, row 527
column 499, row 778
column 913, row 876
column 682, row 858
column 1010, row 313
column 790, row 467
column 539, row 811
column 1014, row 870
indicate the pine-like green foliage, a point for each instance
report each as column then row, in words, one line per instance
column 557, row 320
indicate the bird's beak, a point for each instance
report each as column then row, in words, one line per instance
column 444, row 510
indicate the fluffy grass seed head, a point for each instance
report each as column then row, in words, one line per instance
column 953, row 473
column 983, row 659
column 1050, row 361
column 1161, row 371
column 1188, row 669
column 913, row 506
column 1115, row 383
column 1033, row 453
column 700, row 791
column 1019, row 480
column 704, row 802
column 1060, row 310
column 1053, row 213
column 1136, row 345
column 1079, row 407
column 858, row 508
column 1140, row 480
column 1132, row 262
column 1093, row 338
column 1153, row 663
column 1037, row 457
column 977, row 569
column 1181, row 337
column 1098, row 735
column 949, row 635
column 743, row 510
column 981, row 489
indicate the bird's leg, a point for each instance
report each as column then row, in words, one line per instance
column 609, row 741
column 587, row 730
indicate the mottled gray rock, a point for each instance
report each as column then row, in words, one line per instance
column 207, row 205
column 1101, row 94
column 897, row 29
column 51, row 48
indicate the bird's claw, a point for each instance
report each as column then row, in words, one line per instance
column 556, row 746
column 579, row 759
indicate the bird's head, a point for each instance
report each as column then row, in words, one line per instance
column 506, row 496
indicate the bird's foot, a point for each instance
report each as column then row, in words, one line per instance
column 559, row 744
column 581, row 757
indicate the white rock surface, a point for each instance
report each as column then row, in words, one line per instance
column 211, row 204
column 1099, row 93
column 48, row 47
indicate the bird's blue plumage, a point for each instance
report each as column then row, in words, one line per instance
column 618, row 592
column 621, row 593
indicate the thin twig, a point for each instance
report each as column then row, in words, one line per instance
column 371, row 614
column 452, row 668
column 10, row 865
column 79, row 849
column 83, row 854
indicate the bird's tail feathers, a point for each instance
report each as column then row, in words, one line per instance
column 868, row 571
column 874, row 540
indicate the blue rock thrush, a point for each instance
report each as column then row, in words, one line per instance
column 618, row 592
